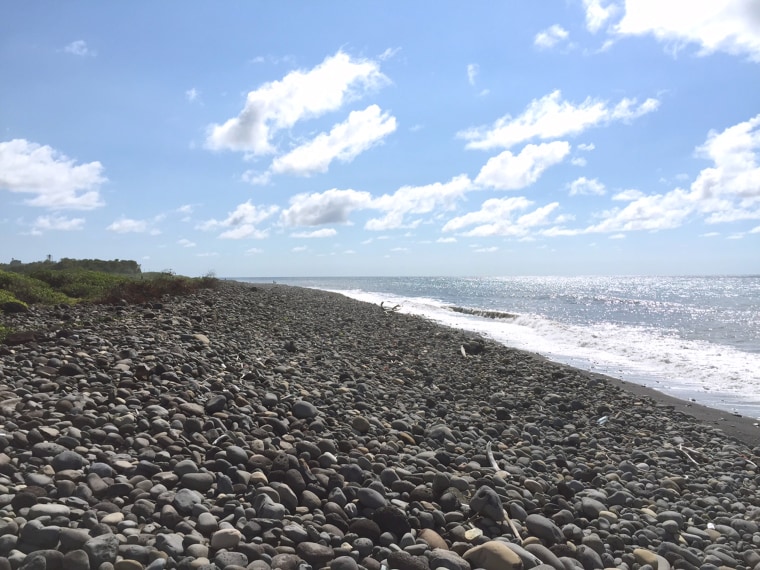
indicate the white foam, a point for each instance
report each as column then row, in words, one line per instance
column 717, row 376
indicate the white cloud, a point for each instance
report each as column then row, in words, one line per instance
column 578, row 161
column 192, row 94
column 550, row 37
column 713, row 234
column 507, row 171
column 446, row 240
column 755, row 230
column 727, row 191
column 129, row 225
column 344, row 142
column 274, row 59
column 497, row 217
column 552, row 117
column 491, row 249
column 586, row 146
column 79, row 47
column 299, row 95
column 417, row 200
column 323, row 233
column 242, row 222
column 257, row 178
column 586, row 187
column 472, row 72
column 185, row 243
column 597, row 14
column 388, row 53
column 329, row 207
column 628, row 195
column 55, row 180
column 56, row 223
column 730, row 26
column 617, row 236
column 734, row 152
column 299, row 249
column 254, row 251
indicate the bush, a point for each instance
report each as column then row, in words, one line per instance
column 10, row 304
column 30, row 290
column 51, row 287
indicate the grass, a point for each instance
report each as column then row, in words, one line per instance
column 52, row 287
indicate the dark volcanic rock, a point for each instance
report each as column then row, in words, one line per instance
column 130, row 441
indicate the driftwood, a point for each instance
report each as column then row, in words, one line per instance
column 389, row 309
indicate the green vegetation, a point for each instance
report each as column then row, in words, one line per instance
column 115, row 266
column 73, row 281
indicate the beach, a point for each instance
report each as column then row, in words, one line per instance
column 267, row 426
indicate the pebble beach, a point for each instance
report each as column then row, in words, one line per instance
column 267, row 426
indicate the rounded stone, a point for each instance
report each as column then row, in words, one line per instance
column 304, row 410
column 225, row 538
column 493, row 555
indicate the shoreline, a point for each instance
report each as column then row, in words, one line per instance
column 263, row 426
column 742, row 428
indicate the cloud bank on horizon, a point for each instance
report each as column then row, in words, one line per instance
column 598, row 137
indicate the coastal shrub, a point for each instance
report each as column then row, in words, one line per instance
column 80, row 283
column 146, row 290
column 51, row 287
column 10, row 304
column 30, row 290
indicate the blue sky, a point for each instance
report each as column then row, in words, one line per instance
column 383, row 138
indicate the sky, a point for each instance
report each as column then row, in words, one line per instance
column 345, row 138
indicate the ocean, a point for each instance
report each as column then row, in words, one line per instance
column 695, row 338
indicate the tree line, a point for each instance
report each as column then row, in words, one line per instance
column 114, row 266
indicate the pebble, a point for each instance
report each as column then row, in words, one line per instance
column 225, row 538
column 493, row 555
column 316, row 431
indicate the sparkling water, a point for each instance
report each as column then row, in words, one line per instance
column 696, row 338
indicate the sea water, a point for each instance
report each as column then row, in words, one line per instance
column 695, row 338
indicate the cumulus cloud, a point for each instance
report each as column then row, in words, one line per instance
column 80, row 48
column 329, row 207
column 508, row 171
column 598, row 14
column 344, row 142
column 586, row 187
column 551, row 117
column 54, row 180
column 653, row 212
column 730, row 26
column 130, row 225
column 242, row 222
column 299, row 95
column 417, row 200
column 56, row 223
column 498, row 217
column 550, row 37
column 628, row 195
column 185, row 242
column 472, row 72
column 192, row 94
column 323, row 233
column 727, row 191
